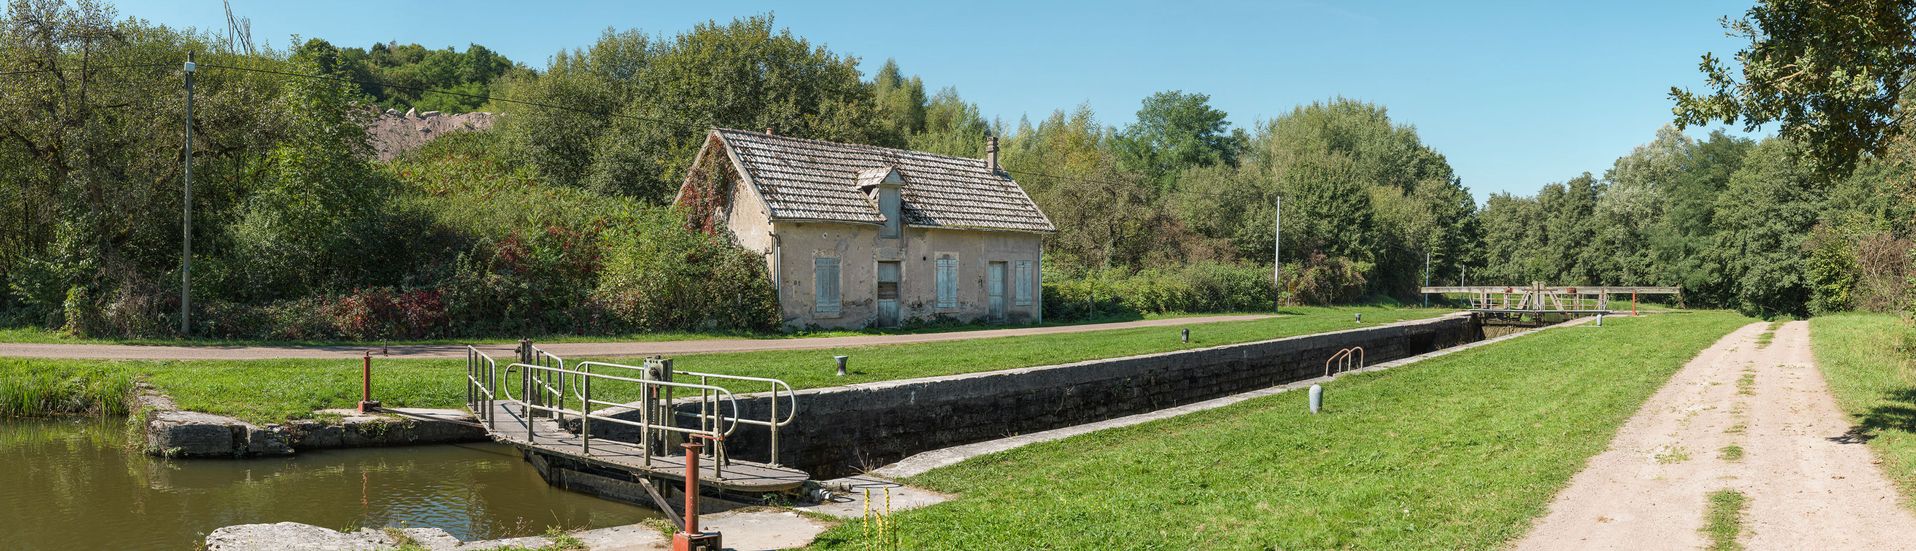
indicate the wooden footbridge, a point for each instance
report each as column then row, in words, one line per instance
column 548, row 407
column 1539, row 299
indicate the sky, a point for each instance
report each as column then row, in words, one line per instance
column 1515, row 94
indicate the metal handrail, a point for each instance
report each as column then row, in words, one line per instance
column 547, row 386
column 773, row 421
column 479, row 365
column 1343, row 359
column 717, row 428
column 709, row 414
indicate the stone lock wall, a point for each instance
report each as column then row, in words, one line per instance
column 849, row 429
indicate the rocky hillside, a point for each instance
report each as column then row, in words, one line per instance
column 394, row 132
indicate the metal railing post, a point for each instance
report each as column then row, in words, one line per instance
column 585, row 413
column 525, row 376
column 774, row 427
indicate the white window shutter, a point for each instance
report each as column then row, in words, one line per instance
column 825, row 290
column 1024, row 283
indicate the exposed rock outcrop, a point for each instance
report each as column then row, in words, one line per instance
column 395, row 133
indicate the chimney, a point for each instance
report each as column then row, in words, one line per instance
column 768, row 131
column 991, row 153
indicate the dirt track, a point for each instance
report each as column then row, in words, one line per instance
column 583, row 349
column 1807, row 486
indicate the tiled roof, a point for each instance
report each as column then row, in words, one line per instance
column 804, row 179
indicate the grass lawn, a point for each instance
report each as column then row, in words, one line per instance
column 1458, row 452
column 40, row 335
column 272, row 390
column 1871, row 368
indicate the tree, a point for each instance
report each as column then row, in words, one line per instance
column 308, row 224
column 1766, row 215
column 1106, row 217
column 652, row 101
column 1514, row 237
column 952, row 127
column 1632, row 204
column 901, row 103
column 92, row 113
column 1174, row 131
column 1832, row 73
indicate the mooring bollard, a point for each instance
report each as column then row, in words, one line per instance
column 1187, row 334
column 841, row 364
column 1317, row 398
column 1360, row 317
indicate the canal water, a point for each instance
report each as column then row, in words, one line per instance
column 78, row 484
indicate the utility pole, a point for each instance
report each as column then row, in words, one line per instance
column 1426, row 277
column 1277, row 258
column 186, row 218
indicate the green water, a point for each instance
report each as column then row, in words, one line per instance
column 73, row 484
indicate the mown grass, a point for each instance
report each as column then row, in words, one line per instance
column 1458, row 452
column 1723, row 523
column 275, row 390
column 40, row 335
column 1869, row 361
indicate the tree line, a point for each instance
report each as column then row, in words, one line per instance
column 559, row 219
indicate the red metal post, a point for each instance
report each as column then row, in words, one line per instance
column 692, row 486
column 690, row 539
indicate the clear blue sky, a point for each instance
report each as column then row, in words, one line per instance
column 1516, row 94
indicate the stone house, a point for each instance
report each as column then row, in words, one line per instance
column 862, row 236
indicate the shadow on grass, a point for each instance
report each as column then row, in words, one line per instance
column 1897, row 416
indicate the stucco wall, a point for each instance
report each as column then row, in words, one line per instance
column 859, row 249
column 745, row 215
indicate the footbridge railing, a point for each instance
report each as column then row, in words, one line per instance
column 670, row 407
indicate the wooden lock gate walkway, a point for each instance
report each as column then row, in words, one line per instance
column 533, row 403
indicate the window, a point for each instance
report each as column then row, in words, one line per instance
column 947, row 281
column 825, row 285
column 1023, row 287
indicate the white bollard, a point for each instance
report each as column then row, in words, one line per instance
column 1599, row 320
column 1317, row 398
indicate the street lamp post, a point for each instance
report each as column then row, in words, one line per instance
column 186, row 217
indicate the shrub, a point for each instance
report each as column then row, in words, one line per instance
column 1323, row 280
column 384, row 313
column 660, row 275
column 1202, row 287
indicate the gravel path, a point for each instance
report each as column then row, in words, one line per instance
column 600, row 349
column 1807, row 486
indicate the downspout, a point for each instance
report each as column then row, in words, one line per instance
column 778, row 286
column 1040, row 304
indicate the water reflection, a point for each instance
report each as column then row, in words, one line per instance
column 75, row 484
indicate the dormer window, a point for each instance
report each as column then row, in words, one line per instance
column 882, row 185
